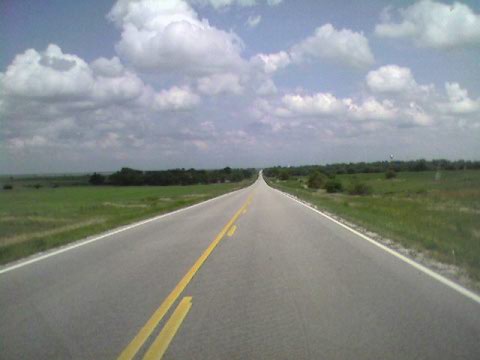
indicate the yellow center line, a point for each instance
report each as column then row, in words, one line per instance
column 160, row 345
column 232, row 230
column 132, row 348
column 244, row 211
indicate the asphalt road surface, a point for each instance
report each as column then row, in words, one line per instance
column 251, row 275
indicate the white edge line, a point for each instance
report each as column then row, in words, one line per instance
column 80, row 243
column 471, row 295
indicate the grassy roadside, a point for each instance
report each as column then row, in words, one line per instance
column 34, row 220
column 438, row 216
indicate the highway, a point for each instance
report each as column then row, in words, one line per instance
column 251, row 275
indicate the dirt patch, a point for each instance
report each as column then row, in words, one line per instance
column 119, row 205
column 193, row 196
column 37, row 219
column 463, row 209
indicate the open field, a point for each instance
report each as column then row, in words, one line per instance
column 436, row 213
column 33, row 220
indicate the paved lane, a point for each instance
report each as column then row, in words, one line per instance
column 88, row 303
column 286, row 283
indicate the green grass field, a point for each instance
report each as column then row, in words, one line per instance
column 437, row 214
column 33, row 220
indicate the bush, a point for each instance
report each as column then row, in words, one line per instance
column 37, row 186
column 359, row 188
column 7, row 187
column 284, row 174
column 316, row 180
column 420, row 165
column 97, row 179
column 333, row 186
column 390, row 174
column 127, row 177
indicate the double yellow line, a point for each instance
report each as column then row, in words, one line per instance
column 154, row 351
column 160, row 345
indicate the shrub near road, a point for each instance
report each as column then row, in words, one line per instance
column 438, row 212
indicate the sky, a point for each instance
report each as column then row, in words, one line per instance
column 96, row 85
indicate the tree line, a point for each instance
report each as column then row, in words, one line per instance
column 372, row 167
column 130, row 177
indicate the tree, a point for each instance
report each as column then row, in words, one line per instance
column 359, row 188
column 333, row 186
column 390, row 174
column 316, row 180
column 127, row 177
column 97, row 179
column 420, row 165
column 284, row 174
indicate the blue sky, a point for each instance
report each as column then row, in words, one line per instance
column 96, row 85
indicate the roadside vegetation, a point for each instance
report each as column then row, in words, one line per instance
column 41, row 212
column 433, row 211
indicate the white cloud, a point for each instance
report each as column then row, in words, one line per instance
column 150, row 13
column 372, row 109
column 434, row 24
column 217, row 4
column 271, row 63
column 458, row 101
column 55, row 77
column 220, row 84
column 253, row 21
column 327, row 105
column 119, row 88
column 50, row 74
column 200, row 144
column 21, row 143
column 107, row 67
column 391, row 79
column 415, row 115
column 54, row 100
column 343, row 45
column 317, row 104
column 176, row 98
column 370, row 113
column 260, row 108
column 267, row 87
column 397, row 81
column 169, row 36
column 422, row 105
